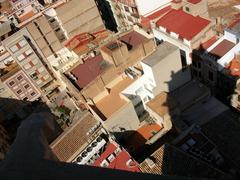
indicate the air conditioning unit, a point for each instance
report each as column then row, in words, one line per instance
column 111, row 158
column 94, row 144
column 117, row 151
column 104, row 163
column 84, row 154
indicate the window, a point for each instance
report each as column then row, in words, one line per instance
column 19, row 91
column 33, row 94
column 11, row 83
column 35, row 61
column 194, row 63
column 19, row 77
column 22, row 43
column 28, row 52
column 34, row 76
column 39, row 81
column 194, row 73
column 25, row 99
column 199, row 65
column 26, row 86
column 187, row 9
column 46, row 77
column 21, row 57
column 52, row 20
column 41, row 69
column 126, row 8
column 138, row 91
column 27, row 66
column 14, row 48
column 58, row 29
column 200, row 74
column 210, row 75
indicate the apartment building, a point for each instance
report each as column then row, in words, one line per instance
column 26, row 54
column 130, row 12
column 189, row 30
column 217, row 67
column 19, row 83
column 77, row 17
column 25, row 9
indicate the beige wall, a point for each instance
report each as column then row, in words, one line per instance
column 80, row 16
column 48, row 33
column 125, row 117
column 200, row 9
column 168, row 72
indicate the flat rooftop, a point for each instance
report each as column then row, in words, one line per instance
column 202, row 112
column 113, row 102
column 139, row 138
column 162, row 104
column 121, row 161
column 235, row 26
column 222, row 48
column 88, row 71
column 183, row 21
column 162, row 51
column 68, row 144
column 189, row 94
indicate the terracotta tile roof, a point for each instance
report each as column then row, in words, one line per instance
column 79, row 43
column 105, row 105
column 222, row 48
column 145, row 20
column 72, row 139
column 120, row 161
column 209, row 43
column 194, row 1
column 186, row 25
column 234, row 67
column 142, row 135
column 88, row 71
column 162, row 104
column 133, row 39
column 26, row 16
column 168, row 160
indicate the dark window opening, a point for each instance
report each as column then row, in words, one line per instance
column 210, row 75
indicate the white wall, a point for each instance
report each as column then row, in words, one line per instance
column 146, row 7
column 180, row 44
column 229, row 36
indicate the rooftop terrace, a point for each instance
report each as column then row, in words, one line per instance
column 88, row 71
column 113, row 102
column 162, row 104
column 162, row 51
column 222, row 48
column 133, row 39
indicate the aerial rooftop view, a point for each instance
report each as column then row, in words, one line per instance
column 133, row 89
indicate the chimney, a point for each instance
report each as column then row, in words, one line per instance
column 176, row 4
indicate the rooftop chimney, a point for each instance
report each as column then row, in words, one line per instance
column 176, row 4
